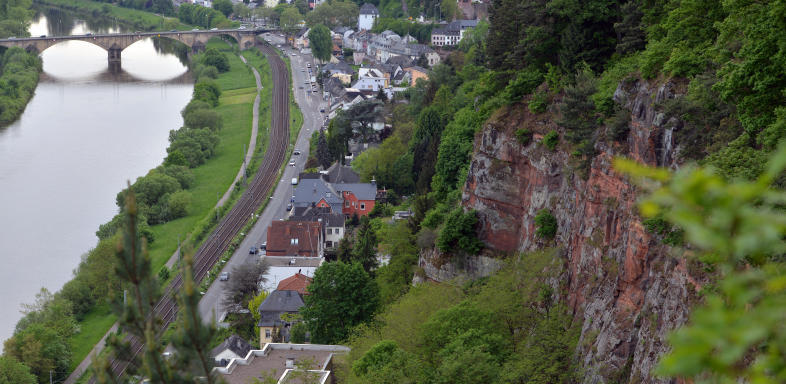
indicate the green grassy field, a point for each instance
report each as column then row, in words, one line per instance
column 210, row 179
column 92, row 328
column 238, row 89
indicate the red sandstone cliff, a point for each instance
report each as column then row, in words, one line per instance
column 627, row 288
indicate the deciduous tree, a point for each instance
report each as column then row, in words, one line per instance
column 341, row 296
column 320, row 42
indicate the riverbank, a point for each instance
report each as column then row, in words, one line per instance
column 210, row 179
column 135, row 18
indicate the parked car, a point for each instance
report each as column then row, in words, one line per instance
column 294, row 181
column 252, row 251
column 263, row 246
column 291, row 163
column 224, row 276
column 322, row 110
column 289, row 207
column 296, row 152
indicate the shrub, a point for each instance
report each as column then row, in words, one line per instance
column 178, row 204
column 523, row 84
column 551, row 139
column 207, row 91
column 298, row 333
column 619, row 125
column 524, row 136
column 214, row 57
column 163, row 274
column 459, row 232
column 546, row 224
column 538, row 103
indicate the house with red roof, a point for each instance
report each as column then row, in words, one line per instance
column 297, row 282
column 295, row 238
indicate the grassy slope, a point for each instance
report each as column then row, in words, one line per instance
column 213, row 177
column 92, row 328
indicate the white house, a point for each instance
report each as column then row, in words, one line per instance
column 370, row 80
column 271, row 3
column 368, row 14
column 232, row 348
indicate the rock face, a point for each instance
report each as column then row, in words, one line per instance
column 627, row 288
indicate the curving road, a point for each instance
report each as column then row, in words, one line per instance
column 218, row 241
column 310, row 103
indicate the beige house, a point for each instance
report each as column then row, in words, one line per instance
column 273, row 312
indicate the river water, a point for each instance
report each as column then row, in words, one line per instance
column 85, row 133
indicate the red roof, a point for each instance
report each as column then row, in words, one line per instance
column 297, row 282
column 294, row 238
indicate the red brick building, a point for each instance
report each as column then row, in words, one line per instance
column 295, row 238
column 358, row 198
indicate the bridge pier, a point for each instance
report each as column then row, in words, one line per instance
column 114, row 54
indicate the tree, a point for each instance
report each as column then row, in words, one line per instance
column 298, row 333
column 323, row 152
column 241, row 10
column 136, row 314
column 244, row 283
column 459, row 233
column 214, row 57
column 365, row 250
column 14, row 372
column 253, row 305
column 178, row 204
column 335, row 14
column 223, row 6
column 363, row 115
column 320, row 42
column 381, row 95
column 302, row 6
column 290, row 17
column 341, row 297
column 192, row 337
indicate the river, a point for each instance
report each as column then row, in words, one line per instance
column 86, row 131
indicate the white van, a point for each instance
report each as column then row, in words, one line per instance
column 294, row 181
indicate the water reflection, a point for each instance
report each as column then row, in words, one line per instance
column 86, row 131
column 81, row 61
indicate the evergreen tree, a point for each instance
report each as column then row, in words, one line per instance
column 323, row 151
column 192, row 339
column 137, row 318
column 365, row 250
column 630, row 30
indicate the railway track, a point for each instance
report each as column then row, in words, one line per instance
column 218, row 241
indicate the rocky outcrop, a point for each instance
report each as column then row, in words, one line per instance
column 628, row 288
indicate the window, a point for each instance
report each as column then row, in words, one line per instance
column 362, row 206
column 330, row 231
column 267, row 333
column 346, row 204
column 329, row 244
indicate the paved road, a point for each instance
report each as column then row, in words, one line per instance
column 210, row 307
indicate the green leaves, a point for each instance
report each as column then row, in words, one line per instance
column 341, row 296
column 738, row 334
column 320, row 42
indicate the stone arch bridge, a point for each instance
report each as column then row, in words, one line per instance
column 115, row 43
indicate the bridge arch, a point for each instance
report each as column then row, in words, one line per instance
column 114, row 44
